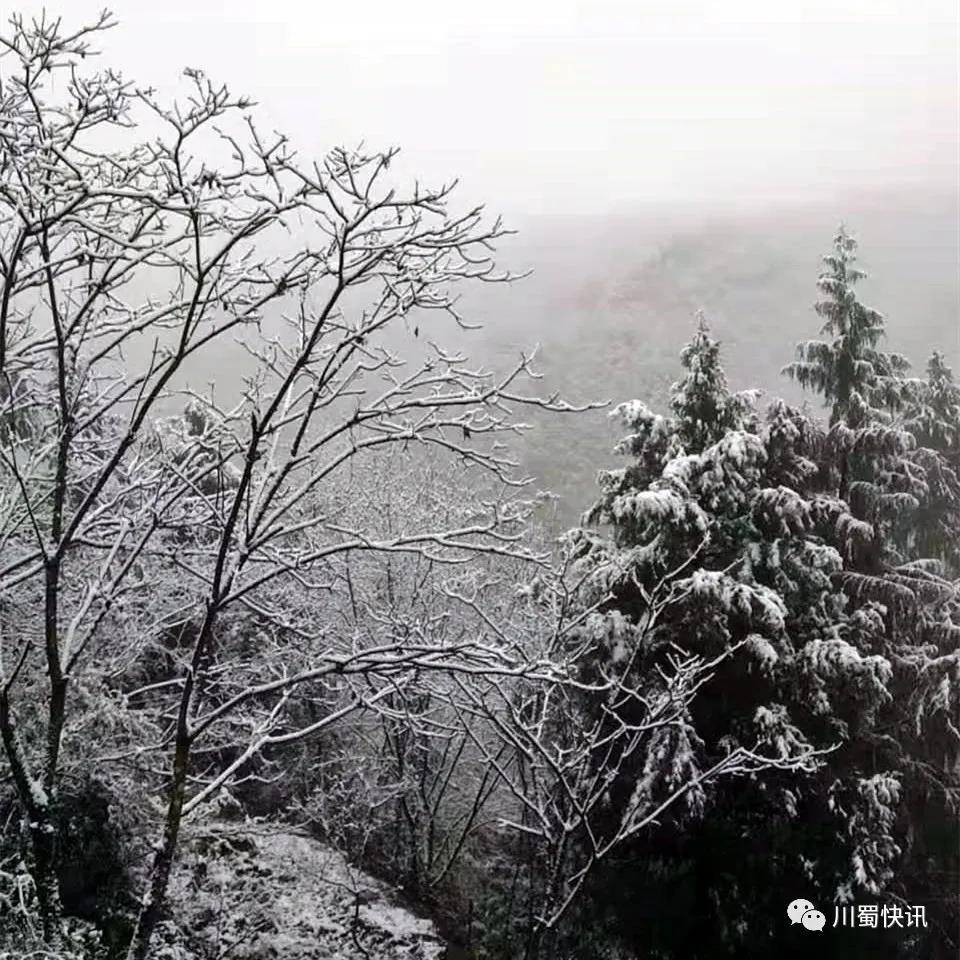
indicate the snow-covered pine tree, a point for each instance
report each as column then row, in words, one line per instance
column 843, row 637
column 889, row 450
column 863, row 388
column 932, row 415
column 705, row 494
column 701, row 402
column 932, row 411
column 850, row 370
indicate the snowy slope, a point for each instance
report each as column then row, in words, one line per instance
column 249, row 891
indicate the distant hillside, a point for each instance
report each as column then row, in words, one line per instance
column 612, row 302
column 612, row 299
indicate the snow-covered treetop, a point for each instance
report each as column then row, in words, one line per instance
column 853, row 374
column 701, row 400
column 933, row 413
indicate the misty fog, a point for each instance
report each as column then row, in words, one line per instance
column 655, row 159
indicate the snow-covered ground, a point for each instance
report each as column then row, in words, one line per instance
column 252, row 891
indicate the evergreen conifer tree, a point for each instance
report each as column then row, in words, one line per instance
column 790, row 538
column 932, row 416
column 855, row 377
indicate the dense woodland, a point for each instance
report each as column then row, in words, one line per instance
column 303, row 669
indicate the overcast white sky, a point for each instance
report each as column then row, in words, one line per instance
column 586, row 106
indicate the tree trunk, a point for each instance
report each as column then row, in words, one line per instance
column 43, row 834
column 151, row 909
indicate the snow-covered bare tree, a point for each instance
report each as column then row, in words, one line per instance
column 597, row 755
column 171, row 569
